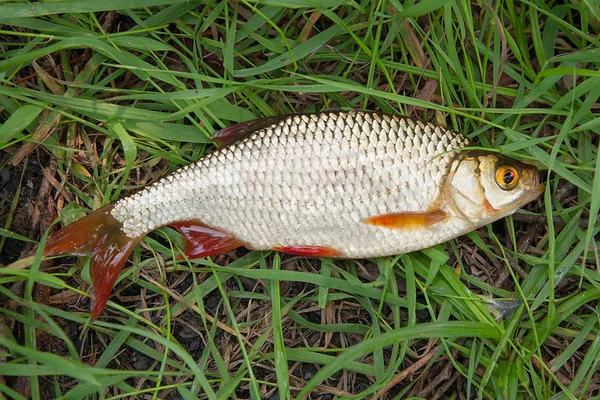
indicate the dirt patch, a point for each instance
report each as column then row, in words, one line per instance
column 19, row 192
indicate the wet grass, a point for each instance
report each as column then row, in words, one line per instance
column 96, row 103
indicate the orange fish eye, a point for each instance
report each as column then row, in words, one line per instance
column 507, row 177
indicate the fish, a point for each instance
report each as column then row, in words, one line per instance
column 338, row 184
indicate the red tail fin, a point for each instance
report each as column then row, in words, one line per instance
column 98, row 235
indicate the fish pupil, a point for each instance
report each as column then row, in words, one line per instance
column 508, row 177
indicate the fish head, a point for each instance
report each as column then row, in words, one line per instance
column 485, row 187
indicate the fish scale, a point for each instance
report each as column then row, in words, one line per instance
column 310, row 180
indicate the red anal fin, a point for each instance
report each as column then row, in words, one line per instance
column 407, row 221
column 202, row 241
column 310, row 251
column 98, row 235
column 237, row 132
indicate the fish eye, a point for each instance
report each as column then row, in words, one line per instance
column 507, row 177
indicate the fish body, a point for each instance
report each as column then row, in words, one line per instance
column 310, row 180
column 339, row 184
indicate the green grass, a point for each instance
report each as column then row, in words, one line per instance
column 108, row 101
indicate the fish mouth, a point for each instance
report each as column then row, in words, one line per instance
column 536, row 190
column 533, row 194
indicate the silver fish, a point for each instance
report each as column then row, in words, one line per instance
column 337, row 184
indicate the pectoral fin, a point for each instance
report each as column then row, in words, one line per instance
column 407, row 221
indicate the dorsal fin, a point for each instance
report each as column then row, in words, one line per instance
column 237, row 132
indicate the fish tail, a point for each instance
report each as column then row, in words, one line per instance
column 99, row 236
